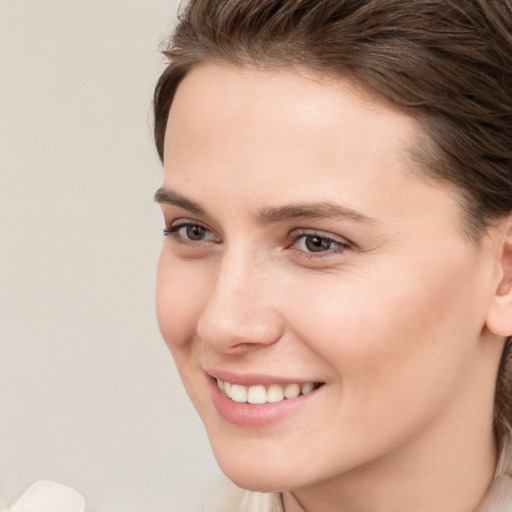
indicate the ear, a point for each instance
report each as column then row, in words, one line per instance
column 499, row 317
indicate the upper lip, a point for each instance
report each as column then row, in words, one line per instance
column 253, row 379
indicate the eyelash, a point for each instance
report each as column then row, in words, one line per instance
column 342, row 246
column 174, row 229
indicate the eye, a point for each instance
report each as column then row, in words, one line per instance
column 190, row 232
column 314, row 243
column 317, row 243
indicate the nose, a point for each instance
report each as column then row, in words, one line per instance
column 240, row 314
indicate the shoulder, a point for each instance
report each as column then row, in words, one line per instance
column 230, row 498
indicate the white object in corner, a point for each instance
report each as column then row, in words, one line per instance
column 46, row 496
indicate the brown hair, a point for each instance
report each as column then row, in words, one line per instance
column 447, row 62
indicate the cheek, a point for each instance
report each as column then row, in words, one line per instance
column 382, row 330
column 179, row 296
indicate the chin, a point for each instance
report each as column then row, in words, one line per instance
column 262, row 474
column 255, row 481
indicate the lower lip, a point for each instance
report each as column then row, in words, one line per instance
column 256, row 415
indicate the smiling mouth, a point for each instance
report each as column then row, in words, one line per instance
column 260, row 394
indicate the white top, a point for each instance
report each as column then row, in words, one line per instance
column 45, row 496
column 230, row 498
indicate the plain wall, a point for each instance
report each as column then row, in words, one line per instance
column 89, row 395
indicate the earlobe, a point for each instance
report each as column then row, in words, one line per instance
column 499, row 318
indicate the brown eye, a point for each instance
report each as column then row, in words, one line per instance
column 318, row 243
column 190, row 232
column 194, row 232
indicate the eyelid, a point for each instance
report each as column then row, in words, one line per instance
column 296, row 235
column 172, row 230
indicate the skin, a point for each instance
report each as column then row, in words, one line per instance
column 401, row 316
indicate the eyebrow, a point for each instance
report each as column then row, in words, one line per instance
column 297, row 211
column 322, row 210
column 166, row 196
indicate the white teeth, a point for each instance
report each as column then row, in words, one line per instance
column 275, row 393
column 257, row 395
column 292, row 391
column 238, row 393
column 306, row 388
column 260, row 394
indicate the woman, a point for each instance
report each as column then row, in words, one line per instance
column 335, row 283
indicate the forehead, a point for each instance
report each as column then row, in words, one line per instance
column 252, row 122
column 219, row 108
column 301, row 104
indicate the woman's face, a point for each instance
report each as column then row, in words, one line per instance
column 304, row 248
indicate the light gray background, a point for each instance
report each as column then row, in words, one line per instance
column 89, row 395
